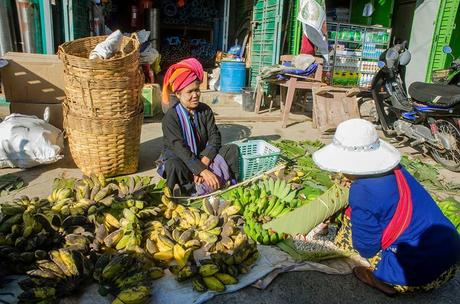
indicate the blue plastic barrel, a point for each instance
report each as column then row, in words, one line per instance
column 232, row 76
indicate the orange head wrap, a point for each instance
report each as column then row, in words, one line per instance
column 180, row 75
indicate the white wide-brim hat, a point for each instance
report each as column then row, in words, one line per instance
column 356, row 149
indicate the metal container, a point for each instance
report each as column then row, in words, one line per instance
column 6, row 28
column 152, row 21
column 29, row 24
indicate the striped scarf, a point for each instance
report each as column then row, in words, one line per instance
column 189, row 131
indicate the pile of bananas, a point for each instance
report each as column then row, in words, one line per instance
column 25, row 233
column 260, row 204
column 221, row 269
column 130, row 230
column 63, row 274
column 451, row 209
column 217, row 231
column 190, row 228
column 126, row 276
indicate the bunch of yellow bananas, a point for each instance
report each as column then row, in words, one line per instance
column 65, row 272
column 126, row 276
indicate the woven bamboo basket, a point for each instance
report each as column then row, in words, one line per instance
column 102, row 88
column 94, row 99
column 107, row 146
column 74, row 54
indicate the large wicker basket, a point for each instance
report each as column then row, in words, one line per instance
column 102, row 88
column 75, row 55
column 107, row 146
column 104, row 98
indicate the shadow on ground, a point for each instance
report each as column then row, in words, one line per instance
column 149, row 152
column 320, row 288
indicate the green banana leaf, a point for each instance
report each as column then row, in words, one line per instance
column 315, row 256
column 303, row 219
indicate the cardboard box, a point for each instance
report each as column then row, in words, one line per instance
column 204, row 84
column 33, row 78
column 151, row 97
column 37, row 109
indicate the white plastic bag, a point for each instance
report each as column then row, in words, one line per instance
column 108, row 47
column 27, row 141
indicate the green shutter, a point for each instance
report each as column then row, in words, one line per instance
column 445, row 24
column 266, row 35
column 294, row 34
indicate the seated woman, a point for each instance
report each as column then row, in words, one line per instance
column 391, row 220
column 193, row 158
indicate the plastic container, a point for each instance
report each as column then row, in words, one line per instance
column 256, row 156
column 232, row 76
column 249, row 103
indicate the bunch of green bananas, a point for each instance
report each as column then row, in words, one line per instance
column 133, row 187
column 451, row 209
column 259, row 205
column 126, row 276
column 24, row 232
column 223, row 268
column 63, row 274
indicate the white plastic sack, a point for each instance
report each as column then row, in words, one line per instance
column 108, row 47
column 303, row 61
column 28, row 141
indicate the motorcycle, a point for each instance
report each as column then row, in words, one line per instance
column 430, row 117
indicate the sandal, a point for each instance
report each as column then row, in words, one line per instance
column 366, row 276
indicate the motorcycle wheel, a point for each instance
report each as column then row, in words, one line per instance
column 449, row 159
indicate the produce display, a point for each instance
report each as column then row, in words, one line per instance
column 121, row 233
column 124, row 233
column 274, row 196
column 225, row 250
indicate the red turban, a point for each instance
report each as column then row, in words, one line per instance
column 180, row 75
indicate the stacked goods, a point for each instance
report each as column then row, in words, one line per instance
column 103, row 110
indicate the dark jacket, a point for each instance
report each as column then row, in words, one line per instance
column 175, row 145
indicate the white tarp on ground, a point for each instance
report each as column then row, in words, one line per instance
column 167, row 290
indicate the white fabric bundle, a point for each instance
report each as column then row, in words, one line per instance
column 107, row 48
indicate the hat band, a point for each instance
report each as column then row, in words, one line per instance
column 373, row 146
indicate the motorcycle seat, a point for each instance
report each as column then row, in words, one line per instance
column 435, row 94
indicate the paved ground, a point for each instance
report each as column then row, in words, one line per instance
column 302, row 287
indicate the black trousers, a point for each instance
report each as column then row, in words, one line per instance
column 177, row 172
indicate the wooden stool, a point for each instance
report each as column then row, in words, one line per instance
column 288, row 88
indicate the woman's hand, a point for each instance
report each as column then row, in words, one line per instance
column 198, row 179
column 210, row 179
column 206, row 161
